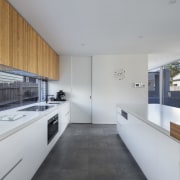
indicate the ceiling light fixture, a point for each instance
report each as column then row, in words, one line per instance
column 140, row 37
column 82, row 44
column 172, row 1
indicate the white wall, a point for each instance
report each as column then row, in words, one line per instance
column 65, row 78
column 157, row 60
column 107, row 91
column 81, row 89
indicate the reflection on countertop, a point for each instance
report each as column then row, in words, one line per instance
column 158, row 116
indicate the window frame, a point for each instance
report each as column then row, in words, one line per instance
column 161, row 82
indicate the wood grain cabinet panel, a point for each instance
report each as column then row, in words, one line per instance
column 32, row 62
column 22, row 48
column 55, row 64
column 50, row 69
column 46, row 59
column 56, row 76
column 18, row 41
column 53, row 69
column 42, row 57
column 39, row 56
column 4, row 33
column 26, row 45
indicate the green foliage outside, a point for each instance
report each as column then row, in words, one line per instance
column 174, row 70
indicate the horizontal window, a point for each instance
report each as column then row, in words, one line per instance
column 16, row 90
column 170, row 83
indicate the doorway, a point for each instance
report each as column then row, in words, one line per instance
column 81, row 89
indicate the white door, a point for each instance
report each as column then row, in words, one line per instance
column 81, row 90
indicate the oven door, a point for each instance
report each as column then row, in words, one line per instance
column 52, row 128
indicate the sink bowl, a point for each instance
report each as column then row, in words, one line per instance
column 54, row 103
column 36, row 108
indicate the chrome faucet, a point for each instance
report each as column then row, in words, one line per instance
column 47, row 97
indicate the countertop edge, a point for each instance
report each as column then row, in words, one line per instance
column 28, row 123
column 145, row 120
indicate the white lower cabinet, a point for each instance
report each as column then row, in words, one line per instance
column 64, row 116
column 11, row 157
column 168, row 158
column 22, row 153
column 15, row 172
column 35, row 147
column 157, row 154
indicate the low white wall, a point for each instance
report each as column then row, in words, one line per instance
column 107, row 91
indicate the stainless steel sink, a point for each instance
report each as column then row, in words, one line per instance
column 37, row 108
column 54, row 103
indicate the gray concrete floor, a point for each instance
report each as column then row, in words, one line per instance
column 89, row 152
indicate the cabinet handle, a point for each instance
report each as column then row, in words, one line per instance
column 124, row 114
column 11, row 170
column 54, row 122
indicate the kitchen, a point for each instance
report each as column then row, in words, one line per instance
column 96, row 73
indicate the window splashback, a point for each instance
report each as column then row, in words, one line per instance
column 18, row 90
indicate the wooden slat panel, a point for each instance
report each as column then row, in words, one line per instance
column 40, row 56
column 32, row 65
column 57, row 68
column 19, row 40
column 175, row 130
column 4, row 33
column 46, row 59
column 50, row 73
column 22, row 48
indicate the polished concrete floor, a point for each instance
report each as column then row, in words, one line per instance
column 89, row 152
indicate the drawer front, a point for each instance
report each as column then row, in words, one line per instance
column 10, row 155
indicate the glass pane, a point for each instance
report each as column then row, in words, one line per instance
column 171, row 84
column 153, row 86
column 18, row 90
column 43, row 90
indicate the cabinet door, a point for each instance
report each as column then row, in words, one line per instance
column 64, row 116
column 11, row 157
column 4, row 32
column 53, row 65
column 40, row 55
column 18, row 40
column 46, row 59
column 32, row 51
column 50, row 60
column 57, row 67
column 35, row 149
column 42, row 48
column 25, row 43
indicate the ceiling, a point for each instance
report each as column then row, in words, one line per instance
column 90, row 27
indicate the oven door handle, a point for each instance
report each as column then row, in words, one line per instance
column 55, row 122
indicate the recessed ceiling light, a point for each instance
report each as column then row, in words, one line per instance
column 140, row 37
column 82, row 44
column 172, row 1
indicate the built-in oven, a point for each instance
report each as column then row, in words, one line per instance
column 52, row 127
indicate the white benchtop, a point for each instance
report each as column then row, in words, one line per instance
column 7, row 128
column 156, row 115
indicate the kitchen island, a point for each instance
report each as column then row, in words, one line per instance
column 146, row 133
column 24, row 141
